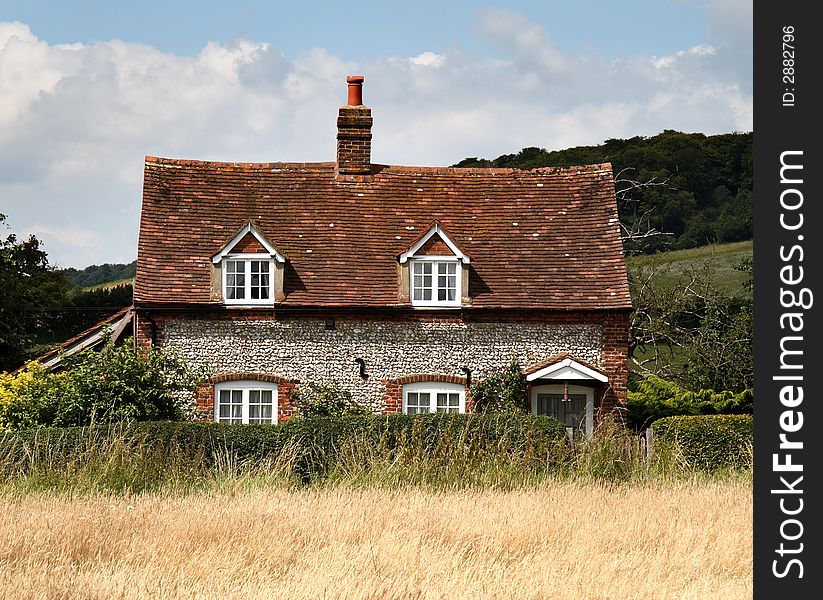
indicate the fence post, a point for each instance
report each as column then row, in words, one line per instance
column 649, row 441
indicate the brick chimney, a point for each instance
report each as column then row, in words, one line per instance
column 354, row 123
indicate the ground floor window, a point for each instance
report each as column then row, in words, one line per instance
column 433, row 396
column 247, row 402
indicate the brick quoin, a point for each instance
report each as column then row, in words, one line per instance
column 615, row 360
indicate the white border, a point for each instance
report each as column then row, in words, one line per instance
column 567, row 368
column 248, row 228
column 246, row 259
column 438, row 230
column 458, row 284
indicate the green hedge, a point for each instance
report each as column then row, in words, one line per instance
column 709, row 442
column 313, row 442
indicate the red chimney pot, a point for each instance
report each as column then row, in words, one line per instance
column 355, row 90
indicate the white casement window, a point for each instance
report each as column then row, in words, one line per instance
column 435, row 281
column 433, row 397
column 248, row 279
column 246, row 402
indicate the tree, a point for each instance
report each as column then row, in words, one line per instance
column 28, row 284
column 682, row 175
column 686, row 329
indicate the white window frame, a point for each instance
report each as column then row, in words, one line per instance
column 587, row 424
column 245, row 386
column 433, row 388
column 435, row 261
column 247, row 259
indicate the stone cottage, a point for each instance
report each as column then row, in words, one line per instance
column 401, row 284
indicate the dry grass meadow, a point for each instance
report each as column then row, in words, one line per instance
column 672, row 540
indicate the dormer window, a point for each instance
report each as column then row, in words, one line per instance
column 437, row 275
column 435, row 281
column 247, row 279
column 251, row 269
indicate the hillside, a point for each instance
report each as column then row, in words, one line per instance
column 719, row 261
column 702, row 192
column 95, row 275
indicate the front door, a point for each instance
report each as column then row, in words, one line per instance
column 575, row 411
column 571, row 412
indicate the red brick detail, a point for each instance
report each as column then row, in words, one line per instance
column 245, row 375
column 434, row 246
column 204, row 395
column 615, row 360
column 147, row 331
column 393, row 396
column 354, row 141
column 248, row 244
column 401, row 314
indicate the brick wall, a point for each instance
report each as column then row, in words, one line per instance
column 615, row 361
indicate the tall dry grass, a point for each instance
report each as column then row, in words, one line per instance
column 684, row 539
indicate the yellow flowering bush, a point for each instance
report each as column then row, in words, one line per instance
column 115, row 385
column 30, row 396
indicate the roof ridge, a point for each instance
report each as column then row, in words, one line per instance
column 551, row 170
column 186, row 162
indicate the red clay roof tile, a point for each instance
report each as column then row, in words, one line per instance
column 545, row 238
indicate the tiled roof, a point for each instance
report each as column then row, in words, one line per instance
column 119, row 324
column 544, row 238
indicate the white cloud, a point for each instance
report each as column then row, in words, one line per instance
column 76, row 120
column 58, row 241
column 428, row 59
column 528, row 42
column 670, row 60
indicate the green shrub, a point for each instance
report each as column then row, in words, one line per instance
column 708, row 442
column 656, row 398
column 117, row 384
column 502, row 392
column 419, row 437
column 318, row 400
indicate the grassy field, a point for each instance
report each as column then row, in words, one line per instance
column 720, row 259
column 108, row 518
column 560, row 541
column 109, row 284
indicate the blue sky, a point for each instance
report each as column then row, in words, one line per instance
column 90, row 88
column 366, row 30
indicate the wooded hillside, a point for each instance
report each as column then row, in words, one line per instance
column 97, row 274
